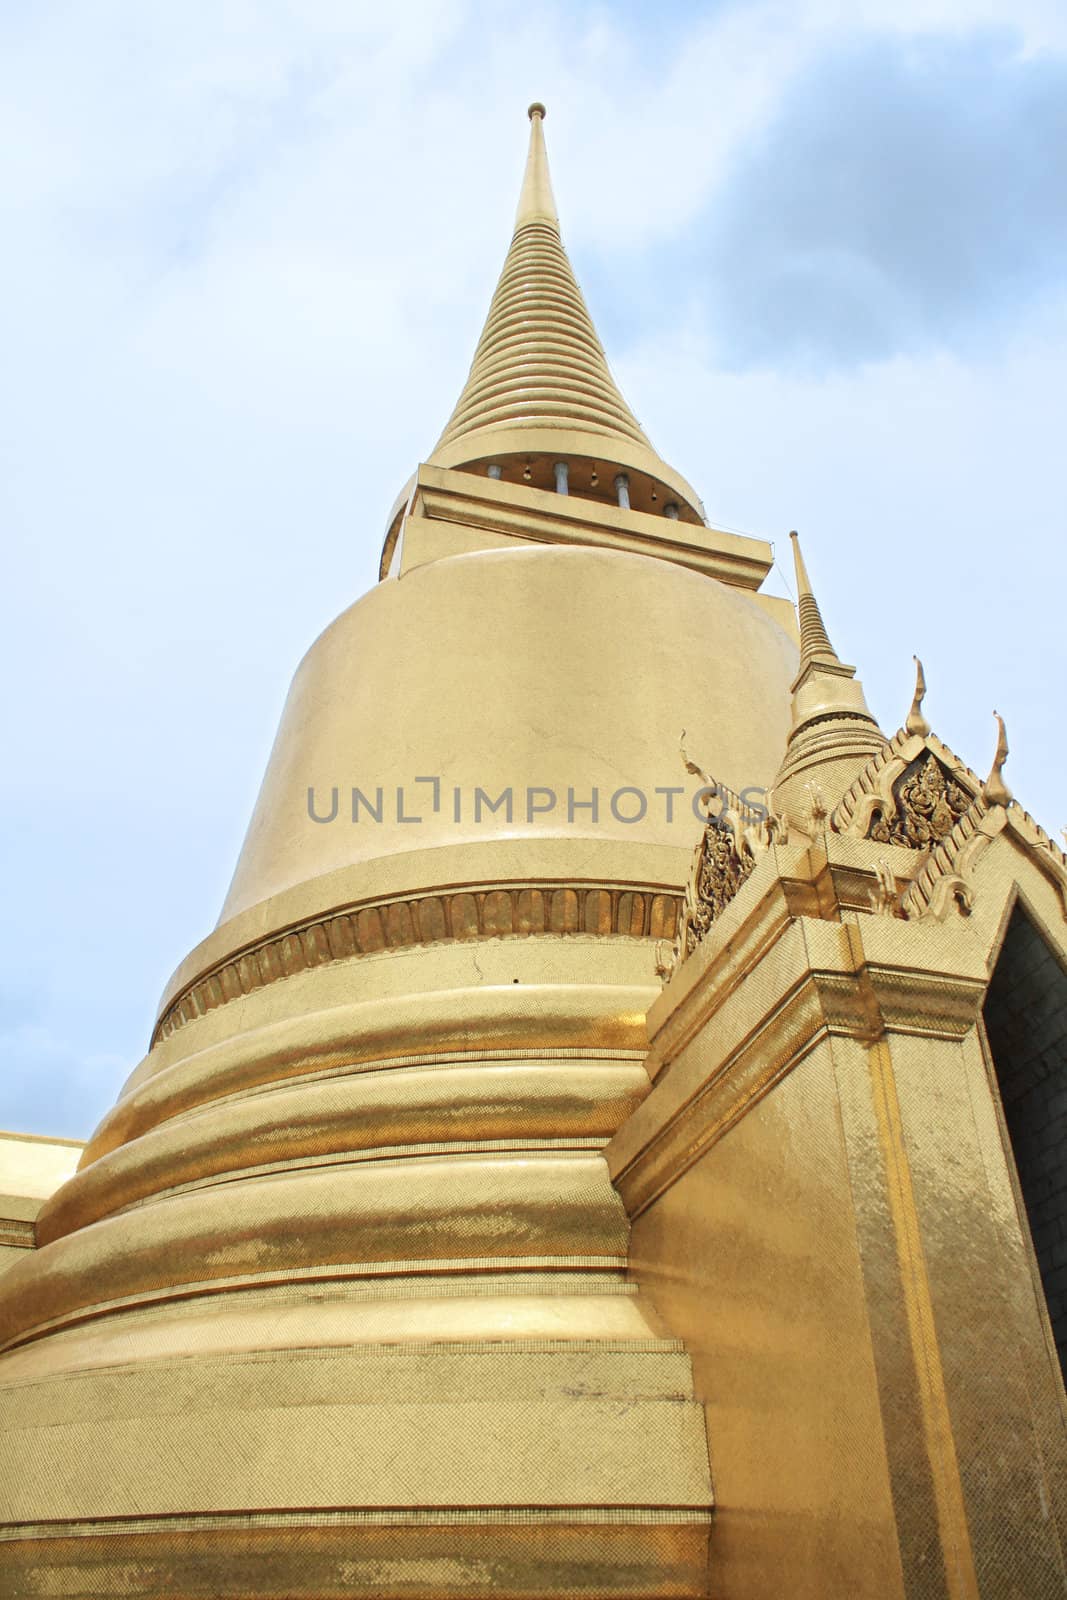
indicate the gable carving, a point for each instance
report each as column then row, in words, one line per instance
column 721, row 868
column 729, row 847
column 927, row 804
column 874, row 796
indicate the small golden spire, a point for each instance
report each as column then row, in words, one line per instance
column 916, row 722
column 824, row 685
column 814, row 639
column 995, row 791
column 536, row 200
column 833, row 732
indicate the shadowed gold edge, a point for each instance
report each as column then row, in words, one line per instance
column 385, row 1516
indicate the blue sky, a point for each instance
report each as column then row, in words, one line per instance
column 249, row 247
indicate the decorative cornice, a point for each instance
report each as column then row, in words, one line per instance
column 863, row 1005
column 818, row 981
column 16, row 1235
column 540, row 516
column 488, row 911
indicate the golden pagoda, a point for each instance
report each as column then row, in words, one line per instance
column 563, row 1171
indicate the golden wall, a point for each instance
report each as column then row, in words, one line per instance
column 823, row 1207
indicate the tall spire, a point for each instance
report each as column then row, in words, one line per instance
column 537, row 202
column 833, row 731
column 824, row 686
column 814, row 640
column 540, row 388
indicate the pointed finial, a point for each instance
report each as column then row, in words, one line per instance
column 995, row 791
column 536, row 202
column 818, row 810
column 814, row 640
column 884, row 896
column 916, row 722
column 691, row 766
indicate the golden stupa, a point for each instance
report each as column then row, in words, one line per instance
column 563, row 1171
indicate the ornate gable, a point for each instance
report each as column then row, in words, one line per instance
column 722, row 863
column 912, row 794
column 732, row 841
column 927, row 804
column 945, row 878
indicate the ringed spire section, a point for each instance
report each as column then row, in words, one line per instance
column 540, row 405
column 833, row 731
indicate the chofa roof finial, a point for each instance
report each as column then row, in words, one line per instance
column 916, row 722
column 995, row 791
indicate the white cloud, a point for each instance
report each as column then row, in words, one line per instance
column 1039, row 24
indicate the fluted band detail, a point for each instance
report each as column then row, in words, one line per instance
column 539, row 361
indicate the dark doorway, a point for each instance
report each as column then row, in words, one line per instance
column 1026, row 1023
